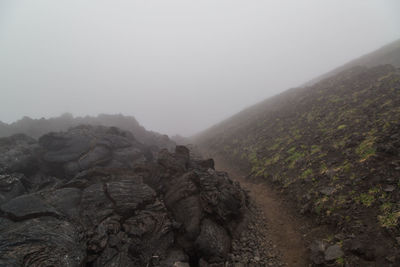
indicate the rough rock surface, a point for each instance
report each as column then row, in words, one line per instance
column 17, row 153
column 84, row 147
column 37, row 127
column 94, row 196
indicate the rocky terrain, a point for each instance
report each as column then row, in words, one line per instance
column 37, row 127
column 96, row 196
column 320, row 163
column 333, row 149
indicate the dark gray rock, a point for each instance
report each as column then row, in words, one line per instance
column 181, row 264
column 182, row 198
column 18, row 154
column 65, row 201
column 175, row 255
column 389, row 188
column 174, row 163
column 129, row 195
column 127, row 157
column 40, row 181
column 327, row 190
column 99, row 155
column 43, row 241
column 360, row 246
column 150, row 232
column 206, row 164
column 317, row 252
column 27, row 207
column 96, row 197
column 220, row 196
column 84, row 147
column 10, row 187
column 95, row 205
column 333, row 252
column 65, row 147
column 213, row 242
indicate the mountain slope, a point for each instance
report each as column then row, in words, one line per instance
column 388, row 54
column 334, row 148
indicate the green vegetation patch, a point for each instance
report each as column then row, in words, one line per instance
column 294, row 157
column 365, row 199
column 315, row 149
column 307, row 173
column 272, row 160
column 366, row 148
column 389, row 219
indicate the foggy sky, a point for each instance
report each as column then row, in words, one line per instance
column 177, row 66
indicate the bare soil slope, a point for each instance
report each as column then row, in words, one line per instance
column 334, row 149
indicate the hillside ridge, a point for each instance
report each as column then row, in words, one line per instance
column 333, row 148
column 387, row 54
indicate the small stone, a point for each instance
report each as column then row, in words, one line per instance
column 181, row 264
column 333, row 252
column 339, row 236
column 317, row 252
column 256, row 259
column 327, row 190
column 389, row 188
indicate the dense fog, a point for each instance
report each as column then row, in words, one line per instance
column 177, row 66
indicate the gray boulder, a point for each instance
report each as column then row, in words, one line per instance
column 84, row 147
column 333, row 252
column 129, row 195
column 18, row 154
column 213, row 242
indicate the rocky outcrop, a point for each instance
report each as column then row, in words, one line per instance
column 98, row 197
column 17, row 154
column 84, row 147
column 37, row 127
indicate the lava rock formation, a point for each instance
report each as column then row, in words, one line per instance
column 95, row 196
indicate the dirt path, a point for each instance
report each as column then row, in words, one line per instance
column 284, row 229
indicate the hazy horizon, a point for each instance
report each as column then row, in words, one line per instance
column 178, row 67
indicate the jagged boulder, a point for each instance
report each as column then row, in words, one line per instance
column 213, row 241
column 18, row 154
column 84, row 147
